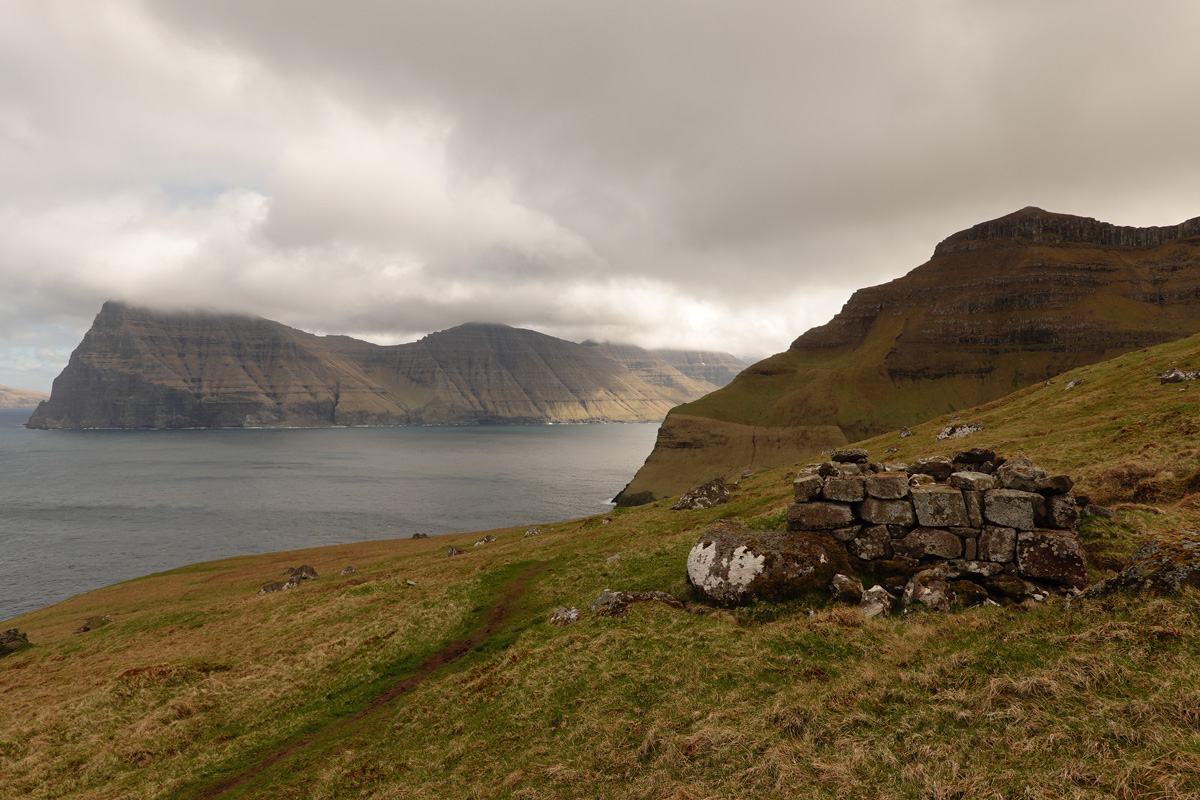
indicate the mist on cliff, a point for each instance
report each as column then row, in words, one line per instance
column 684, row 174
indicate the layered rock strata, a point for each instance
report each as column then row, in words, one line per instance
column 1001, row 305
column 137, row 368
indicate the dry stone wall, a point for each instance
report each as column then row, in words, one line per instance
column 975, row 515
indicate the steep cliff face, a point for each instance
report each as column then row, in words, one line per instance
column 20, row 398
column 999, row 306
column 137, row 368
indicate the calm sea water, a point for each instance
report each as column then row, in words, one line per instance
column 84, row 509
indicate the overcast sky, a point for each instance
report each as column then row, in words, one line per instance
column 718, row 175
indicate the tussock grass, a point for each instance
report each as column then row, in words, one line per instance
column 197, row 678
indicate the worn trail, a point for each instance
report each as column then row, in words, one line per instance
column 499, row 614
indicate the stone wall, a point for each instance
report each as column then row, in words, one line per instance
column 975, row 514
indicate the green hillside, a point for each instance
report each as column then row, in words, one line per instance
column 351, row 686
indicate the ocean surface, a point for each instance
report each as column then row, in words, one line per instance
column 85, row 509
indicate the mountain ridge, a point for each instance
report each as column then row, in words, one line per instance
column 998, row 306
column 137, row 368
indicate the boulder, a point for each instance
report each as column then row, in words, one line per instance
column 1052, row 556
column 301, row 573
column 1009, row 508
column 348, row 570
column 1054, row 484
column 279, row 586
column 936, row 467
column 706, row 495
column 876, row 602
column 1019, row 473
column 615, row 604
column 454, row 551
column 846, row 589
column 13, row 640
column 849, row 455
column 887, row 485
column 1010, row 587
column 844, row 489
column 420, row 536
column 1061, row 512
column 845, row 534
column 871, row 544
column 485, row 540
column 939, row 506
column 966, row 594
column 731, row 565
column 818, row 516
column 531, row 532
column 922, row 542
column 926, row 592
column 1164, row 564
column 563, row 616
column 958, row 430
column 887, row 512
column 808, row 487
column 975, row 456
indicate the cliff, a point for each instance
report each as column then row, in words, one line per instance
column 999, row 306
column 20, row 398
column 137, row 368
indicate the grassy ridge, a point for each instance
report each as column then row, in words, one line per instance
column 197, row 678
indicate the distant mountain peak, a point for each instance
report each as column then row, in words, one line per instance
column 1033, row 225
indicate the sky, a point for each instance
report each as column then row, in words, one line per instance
column 667, row 173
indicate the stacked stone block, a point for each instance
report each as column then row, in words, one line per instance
column 975, row 514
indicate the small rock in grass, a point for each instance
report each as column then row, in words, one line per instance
column 563, row 616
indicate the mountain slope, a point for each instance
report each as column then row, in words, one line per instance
column 20, row 398
column 1001, row 305
column 137, row 368
column 196, row 681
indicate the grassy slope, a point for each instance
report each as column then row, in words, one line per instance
column 197, row 677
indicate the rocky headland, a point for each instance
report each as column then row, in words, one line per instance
column 138, row 368
column 999, row 306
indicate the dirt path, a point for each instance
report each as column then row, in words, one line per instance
column 497, row 616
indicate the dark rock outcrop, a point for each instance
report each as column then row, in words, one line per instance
column 12, row 640
column 707, row 495
column 1163, row 565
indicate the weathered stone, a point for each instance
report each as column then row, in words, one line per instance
column 958, row 430
column 1009, row 508
column 936, row 467
column 828, row 470
column 563, row 616
column 997, row 544
column 894, row 466
column 808, row 487
column 960, row 567
column 905, row 432
column 819, row 516
column 531, row 532
column 846, row 534
column 922, row 542
column 1054, row 484
column 707, row 495
column 887, row 512
column 13, row 640
column 921, row 480
column 1061, row 511
column 966, row 594
column 1093, row 510
column 454, row 551
column 1053, row 556
column 348, row 570
column 844, row 490
column 926, row 592
column 92, row 623
column 898, row 531
column 1164, row 564
column 731, row 565
column 974, row 503
column 850, row 468
column 488, row 539
column 970, row 548
column 876, row 602
column 846, row 589
column 613, row 559
column 939, row 506
column 849, row 454
column 974, row 456
column 420, row 536
column 1013, row 474
column 615, row 604
column 871, row 544
column 887, row 485
column 301, row 573
column 972, row 481
column 279, row 586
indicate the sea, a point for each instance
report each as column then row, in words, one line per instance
column 84, row 509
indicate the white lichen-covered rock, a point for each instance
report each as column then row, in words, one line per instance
column 876, row 602
column 926, row 592
column 706, row 495
column 562, row 617
column 731, row 565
